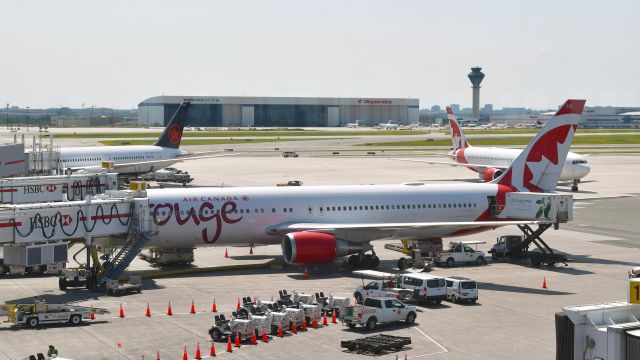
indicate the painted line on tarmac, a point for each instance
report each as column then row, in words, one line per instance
column 442, row 351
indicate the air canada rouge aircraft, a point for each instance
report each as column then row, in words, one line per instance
column 317, row 224
column 491, row 162
column 133, row 159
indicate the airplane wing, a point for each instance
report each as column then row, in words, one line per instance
column 450, row 163
column 386, row 229
column 158, row 164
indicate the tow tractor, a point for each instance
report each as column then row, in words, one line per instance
column 40, row 313
column 244, row 327
column 308, row 303
column 332, row 304
column 517, row 247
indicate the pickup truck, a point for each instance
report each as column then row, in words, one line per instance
column 376, row 311
column 461, row 253
column 382, row 287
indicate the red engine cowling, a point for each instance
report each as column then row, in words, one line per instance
column 491, row 174
column 315, row 248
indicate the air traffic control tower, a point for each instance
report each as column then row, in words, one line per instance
column 476, row 77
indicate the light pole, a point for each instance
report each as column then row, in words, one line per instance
column 27, row 118
column 7, row 116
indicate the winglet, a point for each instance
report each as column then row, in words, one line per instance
column 539, row 165
column 457, row 135
column 172, row 134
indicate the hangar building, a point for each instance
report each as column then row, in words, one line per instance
column 279, row 111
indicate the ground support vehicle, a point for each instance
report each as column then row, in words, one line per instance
column 287, row 154
column 376, row 311
column 296, row 316
column 461, row 253
column 169, row 174
column 307, row 302
column 376, row 344
column 461, row 289
column 246, row 328
column 291, row 183
column 39, row 313
column 332, row 304
column 385, row 286
column 168, row 256
column 424, row 288
column 117, row 288
column 75, row 278
column 517, row 247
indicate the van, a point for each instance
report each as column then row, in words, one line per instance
column 461, row 289
column 426, row 288
column 289, row 154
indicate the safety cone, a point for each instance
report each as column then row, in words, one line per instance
column 238, row 305
column 294, row 328
column 306, row 274
column 148, row 312
column 198, row 355
column 304, row 326
column 193, row 308
column 254, row 340
column 212, row 352
column 169, row 311
column 544, row 283
column 333, row 317
column 238, row 340
column 184, row 354
column 324, row 320
column 92, row 316
column 214, row 308
column 226, row 253
column 280, row 332
column 121, row 311
column 265, row 337
column 229, row 349
column 157, row 355
column 314, row 324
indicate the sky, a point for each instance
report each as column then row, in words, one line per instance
column 117, row 53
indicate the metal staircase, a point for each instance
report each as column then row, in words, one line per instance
column 125, row 256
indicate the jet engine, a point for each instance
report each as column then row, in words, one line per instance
column 491, row 174
column 315, row 247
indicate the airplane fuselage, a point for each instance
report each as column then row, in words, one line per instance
column 197, row 217
column 575, row 166
column 78, row 157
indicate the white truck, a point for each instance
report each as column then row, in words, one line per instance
column 376, row 311
column 39, row 313
column 384, row 286
column 461, row 253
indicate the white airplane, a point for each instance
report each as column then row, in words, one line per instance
column 354, row 125
column 388, row 126
column 317, row 224
column 491, row 162
column 134, row 159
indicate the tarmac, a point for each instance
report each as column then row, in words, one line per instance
column 513, row 319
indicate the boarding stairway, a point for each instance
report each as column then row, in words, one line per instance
column 125, row 256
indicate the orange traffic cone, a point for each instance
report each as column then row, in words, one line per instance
column 169, row 311
column 212, row 352
column 121, row 311
column 544, row 283
column 333, row 317
column 304, row 325
column 198, row 355
column 92, row 316
column 238, row 305
column 193, row 308
column 238, row 340
column 157, row 355
column 254, row 340
column 226, row 253
column 314, row 324
column 148, row 312
column 265, row 337
column 184, row 354
column 294, row 328
column 229, row 349
column 324, row 320
column 306, row 274
column 280, row 333
column 214, row 308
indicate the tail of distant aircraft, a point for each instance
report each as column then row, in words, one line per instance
column 457, row 135
column 172, row 134
column 539, row 165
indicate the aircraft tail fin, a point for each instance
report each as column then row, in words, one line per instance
column 457, row 135
column 539, row 165
column 172, row 134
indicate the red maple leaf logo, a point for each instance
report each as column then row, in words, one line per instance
column 175, row 133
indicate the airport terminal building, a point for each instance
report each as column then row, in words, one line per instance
column 211, row 111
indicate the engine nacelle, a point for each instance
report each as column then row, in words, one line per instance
column 315, row 248
column 491, row 174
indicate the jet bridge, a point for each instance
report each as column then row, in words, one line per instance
column 35, row 233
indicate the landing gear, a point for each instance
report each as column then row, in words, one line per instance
column 574, row 188
column 363, row 261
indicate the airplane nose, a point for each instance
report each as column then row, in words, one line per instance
column 584, row 169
